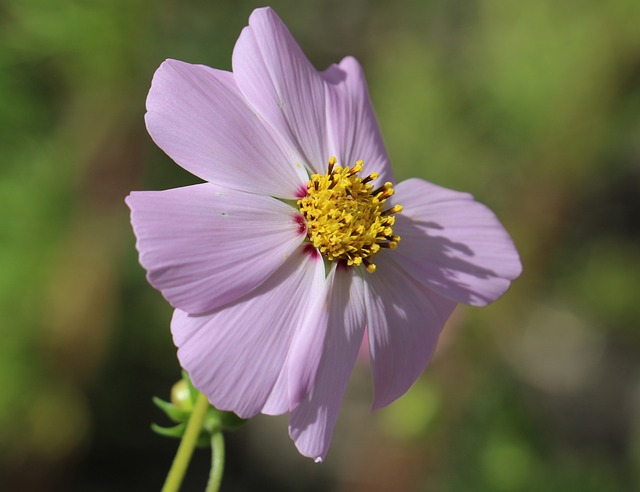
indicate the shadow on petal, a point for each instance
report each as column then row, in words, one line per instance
column 472, row 268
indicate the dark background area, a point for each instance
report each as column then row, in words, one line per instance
column 534, row 107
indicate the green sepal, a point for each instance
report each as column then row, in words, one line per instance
column 204, row 440
column 180, row 408
column 174, row 413
column 176, row 431
column 230, row 421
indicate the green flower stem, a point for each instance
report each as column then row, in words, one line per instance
column 217, row 462
column 188, row 443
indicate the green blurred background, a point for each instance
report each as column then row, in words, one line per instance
column 533, row 106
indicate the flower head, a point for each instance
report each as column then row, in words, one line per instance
column 300, row 238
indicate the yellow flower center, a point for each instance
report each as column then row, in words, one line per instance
column 346, row 217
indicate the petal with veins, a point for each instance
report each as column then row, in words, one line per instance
column 235, row 354
column 404, row 320
column 204, row 246
column 281, row 84
column 353, row 131
column 328, row 363
column 453, row 244
column 198, row 116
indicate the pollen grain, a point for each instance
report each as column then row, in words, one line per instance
column 346, row 216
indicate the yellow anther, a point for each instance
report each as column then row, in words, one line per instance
column 371, row 177
column 396, row 209
column 369, row 266
column 346, row 219
column 356, row 169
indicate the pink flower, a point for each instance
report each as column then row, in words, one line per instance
column 297, row 240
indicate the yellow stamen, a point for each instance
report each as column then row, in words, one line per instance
column 345, row 215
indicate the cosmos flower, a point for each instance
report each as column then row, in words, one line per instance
column 299, row 238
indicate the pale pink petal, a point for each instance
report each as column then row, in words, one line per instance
column 325, row 364
column 404, row 320
column 234, row 355
column 198, row 116
column 279, row 81
column 204, row 246
column 279, row 401
column 453, row 244
column 299, row 371
column 353, row 131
